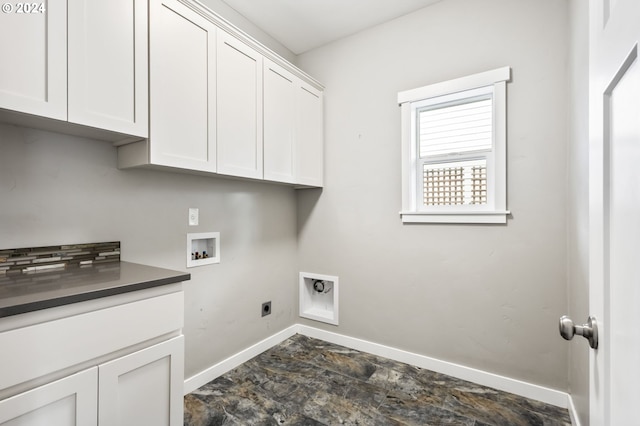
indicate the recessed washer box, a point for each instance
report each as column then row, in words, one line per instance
column 319, row 297
column 203, row 248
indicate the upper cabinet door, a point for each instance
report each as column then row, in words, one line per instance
column 182, row 87
column 33, row 48
column 239, row 85
column 279, row 123
column 309, row 136
column 108, row 69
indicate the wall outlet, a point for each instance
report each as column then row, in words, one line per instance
column 194, row 217
column 266, row 308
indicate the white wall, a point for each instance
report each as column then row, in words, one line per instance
column 578, row 202
column 487, row 297
column 57, row 189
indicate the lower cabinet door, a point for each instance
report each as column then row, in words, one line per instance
column 143, row 388
column 69, row 401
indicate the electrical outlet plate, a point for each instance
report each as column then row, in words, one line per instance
column 194, row 216
column 266, row 308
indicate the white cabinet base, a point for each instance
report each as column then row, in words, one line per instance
column 144, row 388
column 66, row 402
column 118, row 364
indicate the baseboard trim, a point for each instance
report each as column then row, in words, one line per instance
column 528, row 390
column 573, row 413
column 217, row 370
column 518, row 387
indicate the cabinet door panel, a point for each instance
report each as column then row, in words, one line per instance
column 67, row 402
column 144, row 388
column 108, row 66
column 33, row 48
column 279, row 123
column 309, row 136
column 182, row 81
column 239, row 76
column 70, row 340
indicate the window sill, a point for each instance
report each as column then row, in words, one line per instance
column 455, row 217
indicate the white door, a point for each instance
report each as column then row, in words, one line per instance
column 614, row 191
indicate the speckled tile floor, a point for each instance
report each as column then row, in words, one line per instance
column 305, row 381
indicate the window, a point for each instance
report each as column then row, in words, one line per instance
column 454, row 150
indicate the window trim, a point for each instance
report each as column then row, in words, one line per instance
column 496, row 212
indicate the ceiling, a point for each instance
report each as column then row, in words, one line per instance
column 302, row 25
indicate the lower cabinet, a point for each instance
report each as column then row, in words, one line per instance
column 143, row 388
column 70, row 401
column 119, row 364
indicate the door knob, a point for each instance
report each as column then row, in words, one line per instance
column 589, row 330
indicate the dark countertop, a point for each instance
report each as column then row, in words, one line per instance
column 27, row 292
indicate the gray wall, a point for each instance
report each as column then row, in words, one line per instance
column 487, row 297
column 57, row 189
column 484, row 296
column 578, row 202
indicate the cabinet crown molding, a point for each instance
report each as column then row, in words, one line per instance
column 233, row 30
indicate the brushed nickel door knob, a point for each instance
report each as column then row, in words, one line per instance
column 589, row 330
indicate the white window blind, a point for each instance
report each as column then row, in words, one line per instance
column 455, row 128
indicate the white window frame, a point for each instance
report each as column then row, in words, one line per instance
column 495, row 210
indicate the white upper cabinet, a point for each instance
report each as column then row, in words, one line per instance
column 107, row 45
column 293, row 128
column 279, row 123
column 172, row 83
column 78, row 61
column 222, row 103
column 239, row 108
column 309, row 136
column 183, row 88
column 33, row 48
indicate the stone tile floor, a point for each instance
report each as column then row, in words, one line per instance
column 305, row 381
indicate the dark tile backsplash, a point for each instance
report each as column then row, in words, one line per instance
column 33, row 259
